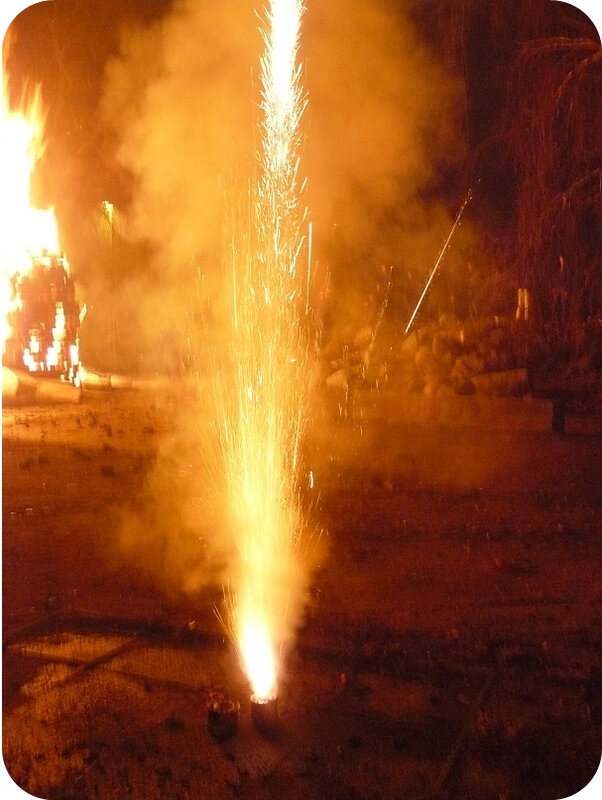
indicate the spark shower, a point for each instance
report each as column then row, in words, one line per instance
column 262, row 397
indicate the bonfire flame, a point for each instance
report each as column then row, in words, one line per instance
column 263, row 404
column 27, row 231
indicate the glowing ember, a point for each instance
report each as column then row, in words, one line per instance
column 262, row 399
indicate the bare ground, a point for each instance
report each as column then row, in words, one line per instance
column 452, row 645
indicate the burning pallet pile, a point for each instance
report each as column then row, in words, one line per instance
column 43, row 321
column 38, row 311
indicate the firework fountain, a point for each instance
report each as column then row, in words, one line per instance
column 262, row 396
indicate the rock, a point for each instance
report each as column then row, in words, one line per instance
column 338, row 379
column 475, row 329
column 361, row 357
column 436, row 386
column 424, row 358
column 497, row 337
column 408, row 376
column 430, row 387
column 446, row 363
column 492, row 360
column 482, row 348
column 460, row 373
column 445, row 389
column 363, row 338
column 463, row 370
column 426, row 333
column 409, row 346
column 374, row 373
column 509, row 383
column 444, row 343
column 465, row 388
column 473, row 363
column 331, row 349
column 448, row 320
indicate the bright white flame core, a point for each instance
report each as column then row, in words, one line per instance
column 259, row 658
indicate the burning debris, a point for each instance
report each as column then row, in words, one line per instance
column 43, row 320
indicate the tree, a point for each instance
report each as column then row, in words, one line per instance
column 553, row 121
column 533, row 73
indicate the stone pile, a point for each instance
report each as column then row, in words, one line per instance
column 354, row 356
column 475, row 356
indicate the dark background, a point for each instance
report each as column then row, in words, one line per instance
column 523, row 135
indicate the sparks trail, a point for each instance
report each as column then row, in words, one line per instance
column 378, row 322
column 262, row 401
column 465, row 202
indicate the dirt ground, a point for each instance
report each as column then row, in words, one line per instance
column 453, row 639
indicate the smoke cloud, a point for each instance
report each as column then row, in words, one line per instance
column 378, row 129
column 380, row 121
column 182, row 101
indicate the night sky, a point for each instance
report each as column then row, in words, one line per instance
column 65, row 45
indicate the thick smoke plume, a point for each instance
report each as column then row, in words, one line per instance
column 182, row 99
column 380, row 121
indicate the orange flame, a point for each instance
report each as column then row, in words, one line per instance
column 27, row 231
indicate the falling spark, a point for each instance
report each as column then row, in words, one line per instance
column 466, row 201
column 262, row 400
